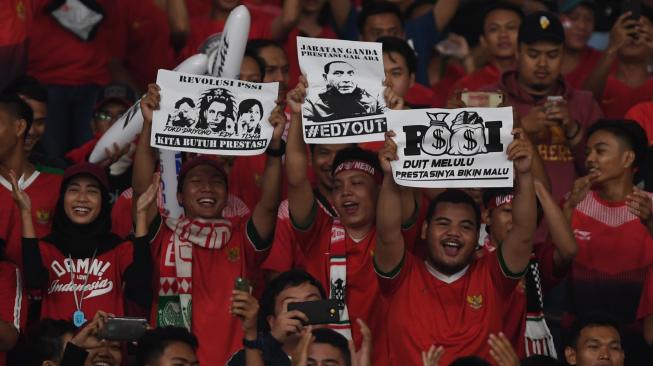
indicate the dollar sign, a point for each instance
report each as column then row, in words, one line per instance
column 471, row 143
column 440, row 142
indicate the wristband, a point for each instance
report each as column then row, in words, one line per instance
column 277, row 152
column 255, row 344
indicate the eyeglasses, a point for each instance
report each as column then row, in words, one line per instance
column 105, row 116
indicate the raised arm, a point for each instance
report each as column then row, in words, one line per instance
column 144, row 157
column 179, row 23
column 559, row 230
column 518, row 245
column 443, row 11
column 340, row 10
column 287, row 20
column 265, row 213
column 390, row 243
column 300, row 193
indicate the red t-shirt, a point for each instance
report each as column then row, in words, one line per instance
column 99, row 280
column 362, row 292
column 615, row 253
column 589, row 57
column 618, row 97
column 201, row 27
column 142, row 41
column 458, row 316
column 420, row 96
column 16, row 18
column 488, row 74
column 57, row 56
column 642, row 113
column 13, row 303
column 214, row 273
column 443, row 89
column 43, row 191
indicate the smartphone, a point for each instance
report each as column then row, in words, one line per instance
column 242, row 284
column 481, row 99
column 554, row 99
column 448, row 48
column 633, row 6
column 123, row 329
column 318, row 312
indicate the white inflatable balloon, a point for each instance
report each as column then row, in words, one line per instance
column 223, row 61
column 130, row 124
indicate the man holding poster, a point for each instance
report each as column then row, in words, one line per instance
column 427, row 290
column 345, row 95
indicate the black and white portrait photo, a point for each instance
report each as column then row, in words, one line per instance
column 184, row 114
column 250, row 113
column 217, row 111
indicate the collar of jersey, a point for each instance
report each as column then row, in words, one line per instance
column 22, row 183
column 448, row 279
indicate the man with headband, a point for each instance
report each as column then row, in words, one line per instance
column 457, row 302
column 525, row 325
column 338, row 251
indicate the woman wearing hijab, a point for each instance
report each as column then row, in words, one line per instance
column 81, row 266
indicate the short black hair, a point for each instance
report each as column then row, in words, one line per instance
column 291, row 278
column 375, row 8
column 469, row 361
column 400, row 46
column 254, row 46
column 356, row 153
column 335, row 339
column 454, row 196
column 500, row 5
column 29, row 87
column 627, row 131
column 153, row 343
column 259, row 61
column 540, row 360
column 185, row 100
column 590, row 320
column 46, row 340
column 17, row 108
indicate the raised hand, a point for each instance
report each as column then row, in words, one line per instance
column 20, row 197
column 295, row 97
column 520, row 152
column 278, row 122
column 392, row 100
column 581, row 187
column 362, row 357
column 300, row 358
column 86, row 338
column 432, row 356
column 246, row 307
column 150, row 195
column 639, row 204
column 388, row 153
column 501, row 350
column 287, row 323
column 113, row 154
column 150, row 102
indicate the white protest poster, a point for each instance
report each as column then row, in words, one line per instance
column 344, row 101
column 452, row 148
column 210, row 115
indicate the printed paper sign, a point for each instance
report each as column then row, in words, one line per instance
column 344, row 101
column 452, row 148
column 209, row 115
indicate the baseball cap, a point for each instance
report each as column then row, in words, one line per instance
column 120, row 93
column 570, row 5
column 93, row 170
column 197, row 161
column 541, row 26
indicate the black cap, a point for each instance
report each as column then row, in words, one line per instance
column 120, row 93
column 541, row 26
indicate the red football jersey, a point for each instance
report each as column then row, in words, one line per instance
column 615, row 253
column 459, row 315
column 43, row 191
column 362, row 292
column 214, row 273
column 642, row 113
column 618, row 97
column 13, row 303
column 588, row 59
column 489, row 74
column 99, row 281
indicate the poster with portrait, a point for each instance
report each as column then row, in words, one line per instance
column 344, row 101
column 209, row 115
column 452, row 148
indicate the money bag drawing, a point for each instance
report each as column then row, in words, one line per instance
column 467, row 134
column 439, row 134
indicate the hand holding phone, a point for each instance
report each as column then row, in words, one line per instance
column 242, row 284
column 123, row 329
column 318, row 312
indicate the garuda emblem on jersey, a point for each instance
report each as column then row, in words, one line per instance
column 475, row 301
column 233, row 254
column 42, row 216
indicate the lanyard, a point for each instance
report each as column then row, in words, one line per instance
column 78, row 315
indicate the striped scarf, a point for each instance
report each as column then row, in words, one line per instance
column 338, row 276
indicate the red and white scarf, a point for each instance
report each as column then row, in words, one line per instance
column 338, row 276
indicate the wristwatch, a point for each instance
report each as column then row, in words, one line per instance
column 277, row 152
column 255, row 344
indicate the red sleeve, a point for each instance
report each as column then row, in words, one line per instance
column 256, row 248
column 544, row 254
column 13, row 303
column 310, row 236
column 281, row 256
column 121, row 214
column 504, row 280
column 646, row 299
column 391, row 281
